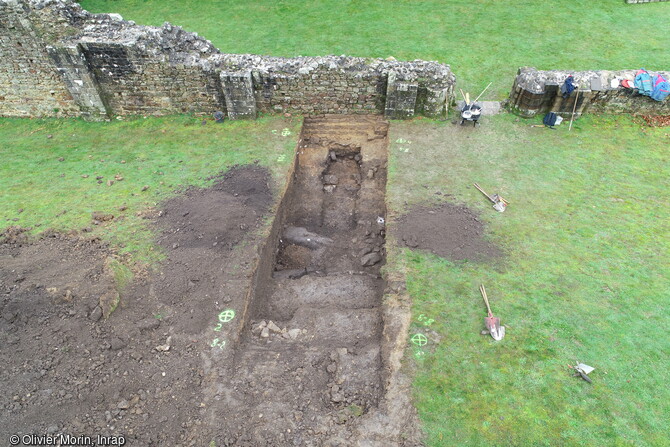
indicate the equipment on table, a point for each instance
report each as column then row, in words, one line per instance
column 492, row 323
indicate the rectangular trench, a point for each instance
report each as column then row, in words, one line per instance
column 308, row 362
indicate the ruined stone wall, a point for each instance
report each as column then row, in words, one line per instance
column 134, row 82
column 100, row 65
column 536, row 91
column 344, row 85
column 320, row 87
column 29, row 84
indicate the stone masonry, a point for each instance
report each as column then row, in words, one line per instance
column 29, row 83
column 59, row 60
column 536, row 91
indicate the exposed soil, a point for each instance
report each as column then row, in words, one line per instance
column 657, row 121
column 246, row 336
column 68, row 369
column 309, row 364
column 450, row 231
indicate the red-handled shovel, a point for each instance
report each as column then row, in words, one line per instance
column 492, row 323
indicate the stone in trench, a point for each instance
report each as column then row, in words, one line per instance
column 370, row 259
column 165, row 347
column 293, row 333
column 330, row 179
column 265, row 333
column 96, row 314
column 257, row 330
column 300, row 236
column 365, row 250
column 273, row 327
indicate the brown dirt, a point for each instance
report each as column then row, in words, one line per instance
column 310, row 368
column 657, row 121
column 165, row 369
column 451, row 231
column 68, row 370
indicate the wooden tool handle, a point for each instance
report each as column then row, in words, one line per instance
column 486, row 299
column 482, row 191
column 480, row 95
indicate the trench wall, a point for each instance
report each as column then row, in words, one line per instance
column 60, row 60
column 537, row 92
column 262, row 276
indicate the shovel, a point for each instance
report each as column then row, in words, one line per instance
column 492, row 323
column 582, row 371
column 499, row 204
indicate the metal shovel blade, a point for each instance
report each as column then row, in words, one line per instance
column 498, row 334
column 495, row 329
column 586, row 369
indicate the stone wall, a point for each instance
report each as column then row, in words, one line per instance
column 536, row 91
column 29, row 83
column 72, row 62
column 343, row 84
column 645, row 1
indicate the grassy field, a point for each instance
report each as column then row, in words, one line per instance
column 50, row 169
column 482, row 40
column 586, row 271
column 585, row 277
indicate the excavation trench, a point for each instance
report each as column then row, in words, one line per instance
column 308, row 364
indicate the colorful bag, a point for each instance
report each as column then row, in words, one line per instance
column 661, row 88
column 643, row 82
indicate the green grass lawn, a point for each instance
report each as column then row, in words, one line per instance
column 585, row 277
column 482, row 40
column 50, row 169
column 586, row 272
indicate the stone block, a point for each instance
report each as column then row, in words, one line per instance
column 400, row 98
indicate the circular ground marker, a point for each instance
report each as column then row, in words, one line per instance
column 226, row 315
column 419, row 339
